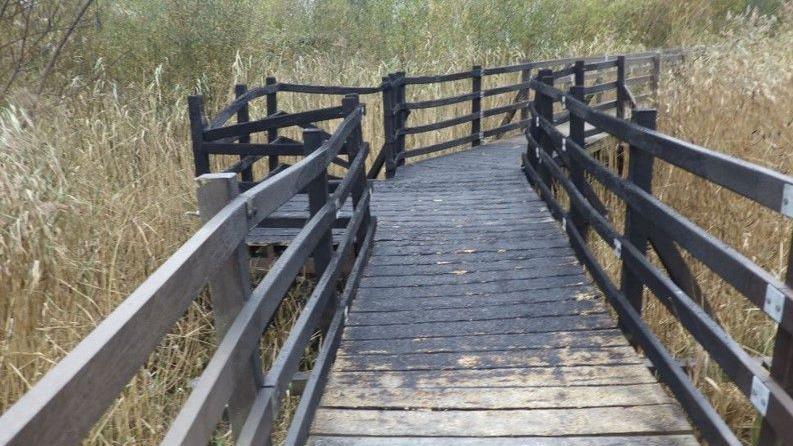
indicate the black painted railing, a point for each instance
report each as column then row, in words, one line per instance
column 560, row 161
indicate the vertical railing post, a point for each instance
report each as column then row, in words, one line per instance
column 525, row 76
column 272, row 134
column 229, row 288
column 354, row 146
column 317, row 197
column 637, row 230
column 545, row 110
column 195, row 111
column 389, row 127
column 476, row 105
column 781, row 363
column 402, row 116
column 577, row 136
column 243, row 115
column 656, row 76
column 621, row 99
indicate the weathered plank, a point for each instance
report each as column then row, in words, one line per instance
column 478, row 288
column 494, row 423
column 547, row 357
column 660, row 440
column 606, row 375
column 526, row 309
column 594, row 338
column 465, row 277
column 538, row 296
column 490, row 326
column 495, row 398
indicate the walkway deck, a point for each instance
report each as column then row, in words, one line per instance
column 474, row 320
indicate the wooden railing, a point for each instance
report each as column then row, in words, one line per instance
column 594, row 96
column 594, row 77
column 65, row 404
column 559, row 161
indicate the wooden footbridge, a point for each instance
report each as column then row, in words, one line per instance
column 459, row 300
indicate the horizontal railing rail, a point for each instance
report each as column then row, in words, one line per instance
column 589, row 73
column 64, row 405
column 560, row 161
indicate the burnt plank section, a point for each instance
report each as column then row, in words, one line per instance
column 474, row 322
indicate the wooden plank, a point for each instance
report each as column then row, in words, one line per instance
column 464, row 277
column 589, row 375
column 494, row 423
column 390, row 303
column 494, row 398
column 479, row 288
column 473, row 266
column 499, row 342
column 491, row 326
column 491, row 360
column 664, row 440
column 523, row 309
column 469, row 257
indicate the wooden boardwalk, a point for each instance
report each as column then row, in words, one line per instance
column 474, row 319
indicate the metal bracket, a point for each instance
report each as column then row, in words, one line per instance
column 759, row 396
column 536, row 121
column 481, row 94
column 564, row 104
column 481, row 135
column 774, row 304
column 787, row 201
column 618, row 248
column 564, row 144
column 564, row 224
column 537, row 153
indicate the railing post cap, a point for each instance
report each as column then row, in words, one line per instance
column 270, row 80
column 207, row 177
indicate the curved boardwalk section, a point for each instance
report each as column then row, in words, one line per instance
column 474, row 322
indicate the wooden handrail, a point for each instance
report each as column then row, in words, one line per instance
column 57, row 411
column 760, row 287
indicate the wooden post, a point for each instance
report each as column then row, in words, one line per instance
column 243, row 115
column 637, row 231
column 195, row 110
column 525, row 76
column 545, row 109
column 781, row 364
column 354, row 146
column 577, row 136
column 656, row 76
column 229, row 288
column 402, row 114
column 476, row 105
column 272, row 134
column 389, row 127
column 317, row 197
column 621, row 99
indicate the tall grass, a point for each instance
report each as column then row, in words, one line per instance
column 96, row 187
